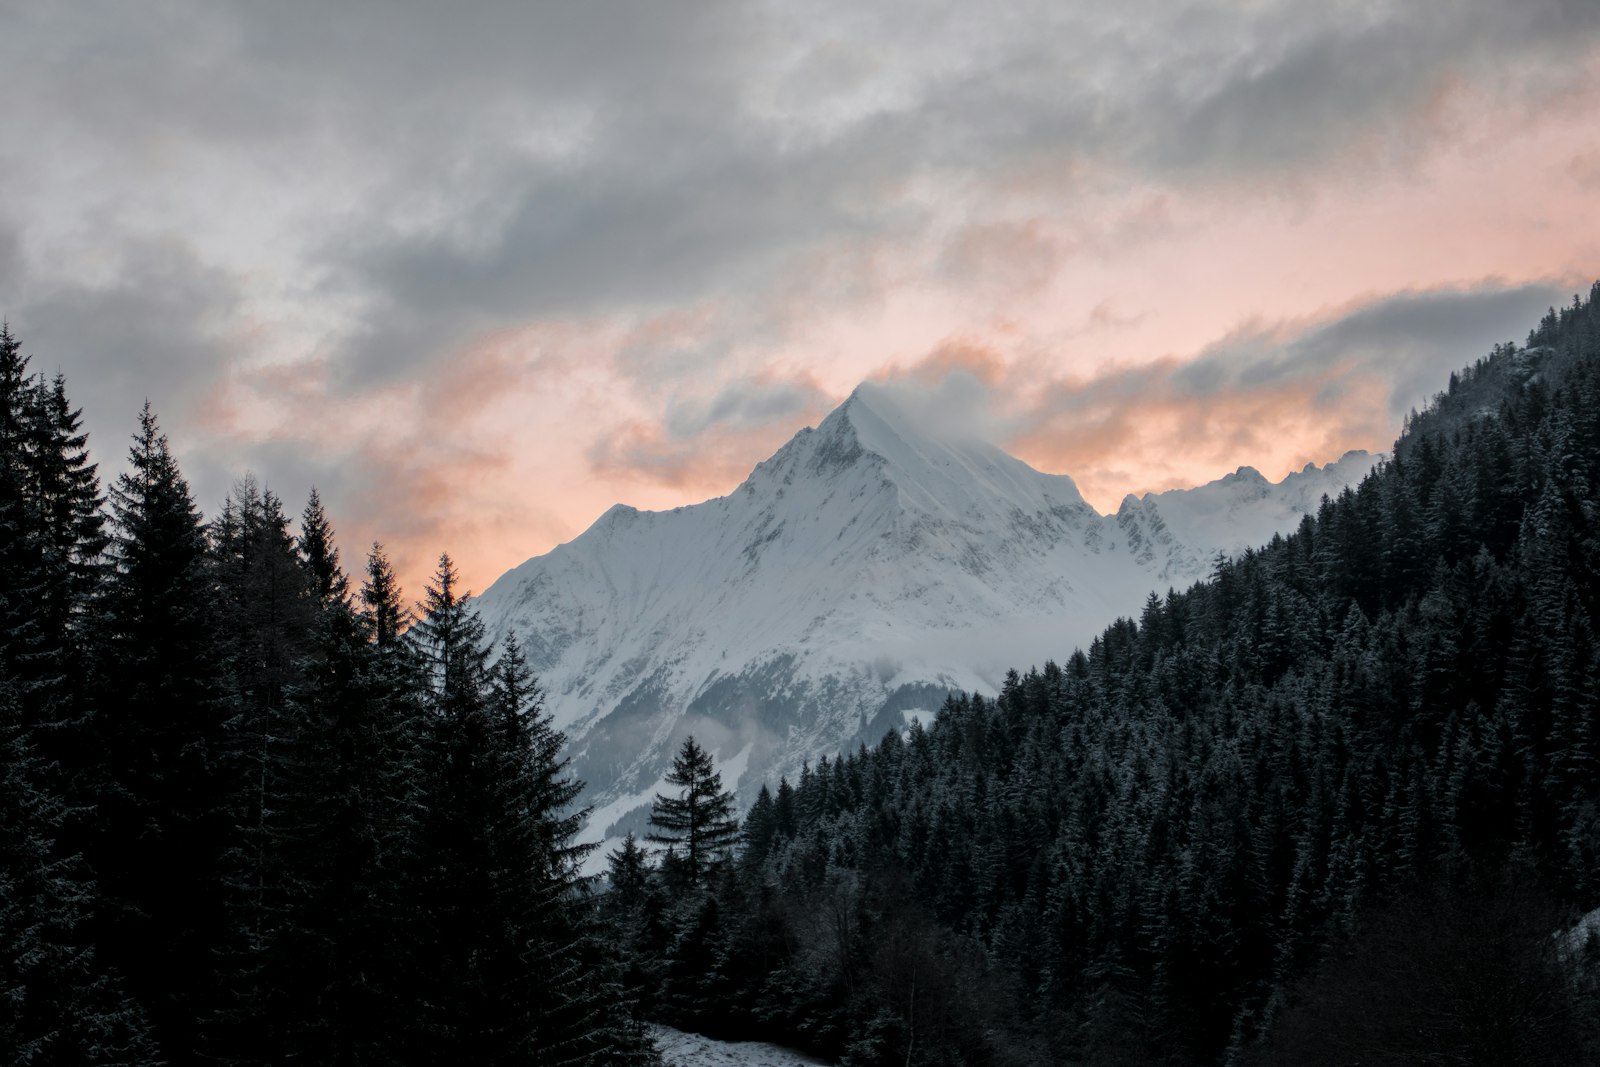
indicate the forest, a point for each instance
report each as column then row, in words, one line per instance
column 253, row 813
column 1339, row 803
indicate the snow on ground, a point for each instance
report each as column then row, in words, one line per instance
column 1588, row 926
column 679, row 1049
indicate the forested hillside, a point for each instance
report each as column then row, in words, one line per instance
column 1330, row 806
column 252, row 815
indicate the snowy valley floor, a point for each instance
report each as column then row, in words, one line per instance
column 679, row 1049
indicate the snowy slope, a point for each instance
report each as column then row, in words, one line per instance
column 1243, row 510
column 679, row 1049
column 867, row 567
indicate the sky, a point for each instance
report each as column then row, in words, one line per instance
column 478, row 271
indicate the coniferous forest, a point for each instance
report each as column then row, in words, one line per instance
column 1340, row 803
column 256, row 810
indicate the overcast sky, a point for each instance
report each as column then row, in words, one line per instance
column 479, row 271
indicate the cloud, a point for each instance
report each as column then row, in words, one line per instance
column 1283, row 393
column 1584, row 169
column 706, row 444
column 371, row 244
column 447, row 174
column 1016, row 256
column 10, row 258
column 747, row 405
column 164, row 327
column 954, row 358
column 1293, row 85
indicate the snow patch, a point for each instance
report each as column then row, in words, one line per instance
column 680, row 1049
column 1588, row 927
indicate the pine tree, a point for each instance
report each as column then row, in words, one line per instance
column 356, row 935
column 161, row 823
column 329, row 585
column 564, row 979
column 26, row 653
column 513, row 973
column 59, row 1004
column 760, row 827
column 636, row 920
column 380, row 599
column 267, row 601
column 700, row 818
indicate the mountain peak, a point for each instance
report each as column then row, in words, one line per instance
column 929, row 452
column 876, row 421
column 867, row 567
column 870, row 424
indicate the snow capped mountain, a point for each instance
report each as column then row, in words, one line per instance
column 869, row 566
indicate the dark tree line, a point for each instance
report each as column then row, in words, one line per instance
column 250, row 814
column 1331, row 805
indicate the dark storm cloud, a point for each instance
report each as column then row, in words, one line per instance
column 682, row 193
column 375, row 72
column 1238, row 90
column 623, row 235
column 10, row 262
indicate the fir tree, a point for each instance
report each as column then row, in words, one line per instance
column 267, row 599
column 357, row 934
column 700, row 818
column 161, row 823
column 513, row 975
column 59, row 1004
column 329, row 585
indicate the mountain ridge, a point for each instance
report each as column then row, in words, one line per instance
column 867, row 567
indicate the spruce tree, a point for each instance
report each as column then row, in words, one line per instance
column 26, row 651
column 699, row 819
column 161, row 822
column 345, row 943
column 268, row 608
column 59, row 1003
column 478, row 997
column 385, row 612
column 320, row 556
